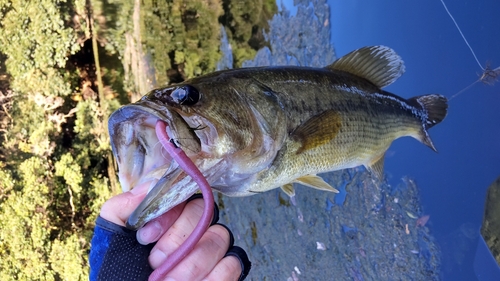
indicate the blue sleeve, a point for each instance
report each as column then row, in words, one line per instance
column 115, row 254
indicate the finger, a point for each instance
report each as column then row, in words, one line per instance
column 215, row 216
column 228, row 269
column 118, row 208
column 177, row 233
column 241, row 255
column 203, row 259
column 155, row 229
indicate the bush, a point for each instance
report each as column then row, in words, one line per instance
column 56, row 167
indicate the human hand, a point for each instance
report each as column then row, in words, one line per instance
column 209, row 260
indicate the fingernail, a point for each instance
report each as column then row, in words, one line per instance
column 149, row 233
column 143, row 187
column 156, row 258
column 138, row 189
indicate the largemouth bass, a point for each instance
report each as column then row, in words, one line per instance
column 254, row 129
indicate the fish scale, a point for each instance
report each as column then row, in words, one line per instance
column 367, row 130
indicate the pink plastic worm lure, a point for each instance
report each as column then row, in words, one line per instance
column 189, row 168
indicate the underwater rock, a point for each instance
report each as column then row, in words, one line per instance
column 491, row 223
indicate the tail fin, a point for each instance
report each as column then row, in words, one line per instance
column 436, row 108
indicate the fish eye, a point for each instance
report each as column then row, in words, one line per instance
column 185, row 95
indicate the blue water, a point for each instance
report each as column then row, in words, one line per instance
column 453, row 182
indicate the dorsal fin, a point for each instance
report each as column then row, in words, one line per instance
column 317, row 182
column 378, row 64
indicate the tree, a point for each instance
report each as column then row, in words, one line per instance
column 65, row 65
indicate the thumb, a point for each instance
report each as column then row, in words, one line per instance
column 118, row 208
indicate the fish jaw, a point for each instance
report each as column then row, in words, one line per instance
column 142, row 159
column 172, row 189
column 169, row 191
column 135, row 145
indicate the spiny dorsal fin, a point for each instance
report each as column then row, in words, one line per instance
column 288, row 189
column 378, row 64
column 317, row 182
column 377, row 167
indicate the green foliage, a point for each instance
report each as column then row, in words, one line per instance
column 66, row 258
column 25, row 239
column 27, row 251
column 182, row 36
column 113, row 23
column 36, row 40
column 70, row 171
column 54, row 142
column 245, row 22
column 30, row 134
column 55, row 161
column 92, row 136
column 97, row 193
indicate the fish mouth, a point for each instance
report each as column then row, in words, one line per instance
column 142, row 159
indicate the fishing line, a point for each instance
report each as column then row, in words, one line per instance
column 464, row 89
column 459, row 30
column 489, row 75
column 189, row 168
column 162, row 153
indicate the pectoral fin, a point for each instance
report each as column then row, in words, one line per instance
column 317, row 182
column 318, row 130
column 288, row 189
